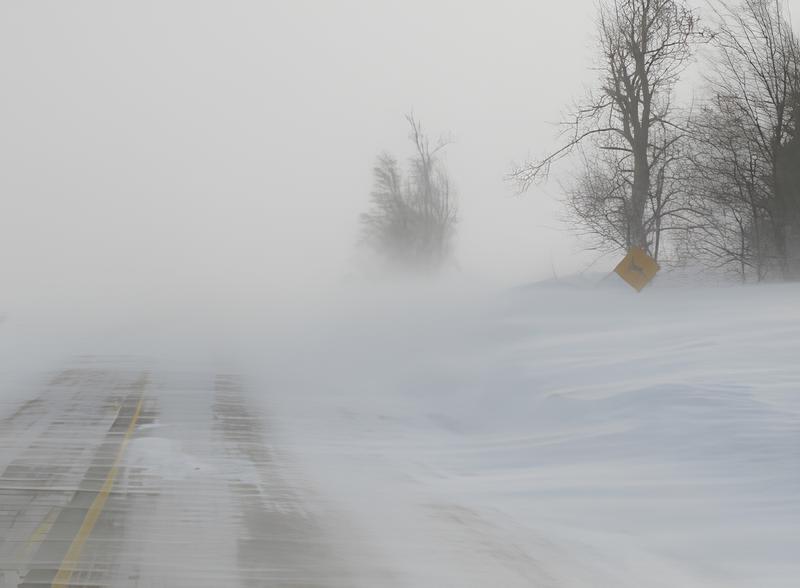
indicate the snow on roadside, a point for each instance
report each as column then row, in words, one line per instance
column 558, row 436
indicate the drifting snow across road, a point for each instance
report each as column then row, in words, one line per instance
column 566, row 436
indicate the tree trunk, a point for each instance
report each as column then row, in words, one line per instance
column 639, row 194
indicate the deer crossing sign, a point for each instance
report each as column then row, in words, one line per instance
column 637, row 268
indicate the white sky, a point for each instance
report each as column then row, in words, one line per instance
column 173, row 146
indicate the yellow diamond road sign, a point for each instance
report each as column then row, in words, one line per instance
column 637, row 268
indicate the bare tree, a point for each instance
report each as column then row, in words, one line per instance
column 599, row 197
column 753, row 130
column 788, row 182
column 630, row 124
column 730, row 200
column 412, row 219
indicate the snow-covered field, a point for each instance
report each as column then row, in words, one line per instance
column 554, row 436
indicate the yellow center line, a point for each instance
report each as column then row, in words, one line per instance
column 73, row 555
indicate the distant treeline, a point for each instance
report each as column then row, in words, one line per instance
column 715, row 181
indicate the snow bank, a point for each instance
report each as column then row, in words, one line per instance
column 570, row 435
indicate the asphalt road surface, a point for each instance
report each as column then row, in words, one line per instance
column 112, row 475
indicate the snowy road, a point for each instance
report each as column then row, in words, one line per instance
column 114, row 476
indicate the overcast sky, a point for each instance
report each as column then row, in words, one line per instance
column 172, row 146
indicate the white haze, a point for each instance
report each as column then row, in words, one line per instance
column 160, row 150
column 181, row 182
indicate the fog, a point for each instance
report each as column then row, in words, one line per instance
column 159, row 150
column 195, row 359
